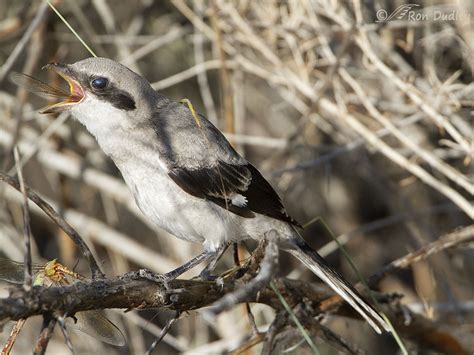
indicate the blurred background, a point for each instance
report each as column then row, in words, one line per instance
column 358, row 112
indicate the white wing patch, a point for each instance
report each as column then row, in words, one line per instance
column 239, row 200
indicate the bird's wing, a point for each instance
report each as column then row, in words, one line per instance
column 240, row 189
column 203, row 163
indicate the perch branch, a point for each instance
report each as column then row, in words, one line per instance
column 129, row 291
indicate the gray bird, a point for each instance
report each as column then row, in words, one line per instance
column 183, row 173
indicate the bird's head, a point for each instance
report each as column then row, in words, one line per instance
column 102, row 92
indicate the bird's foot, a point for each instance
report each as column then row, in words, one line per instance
column 206, row 275
column 158, row 278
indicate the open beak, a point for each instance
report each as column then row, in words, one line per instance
column 76, row 92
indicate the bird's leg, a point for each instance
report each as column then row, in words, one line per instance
column 173, row 274
column 205, row 255
column 206, row 272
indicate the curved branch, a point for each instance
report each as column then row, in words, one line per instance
column 60, row 222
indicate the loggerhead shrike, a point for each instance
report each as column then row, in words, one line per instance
column 183, row 173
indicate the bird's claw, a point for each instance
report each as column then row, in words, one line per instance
column 158, row 278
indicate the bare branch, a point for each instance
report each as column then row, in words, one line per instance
column 163, row 332
column 67, row 338
column 38, row 19
column 56, row 218
column 13, row 335
column 451, row 240
column 45, row 335
column 26, row 222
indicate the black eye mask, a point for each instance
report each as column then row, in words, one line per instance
column 110, row 93
column 118, row 98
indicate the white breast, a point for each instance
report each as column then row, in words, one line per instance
column 181, row 214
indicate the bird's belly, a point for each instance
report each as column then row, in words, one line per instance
column 185, row 216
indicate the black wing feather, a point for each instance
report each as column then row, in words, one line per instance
column 223, row 181
column 263, row 199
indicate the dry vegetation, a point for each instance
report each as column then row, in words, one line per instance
column 365, row 124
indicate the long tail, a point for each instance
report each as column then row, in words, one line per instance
column 318, row 265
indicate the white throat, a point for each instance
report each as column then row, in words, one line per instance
column 100, row 117
column 121, row 134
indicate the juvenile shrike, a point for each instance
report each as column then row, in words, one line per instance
column 183, row 173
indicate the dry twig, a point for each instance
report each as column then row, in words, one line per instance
column 61, row 223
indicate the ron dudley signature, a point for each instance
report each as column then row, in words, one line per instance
column 411, row 12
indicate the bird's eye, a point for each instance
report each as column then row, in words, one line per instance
column 99, row 83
